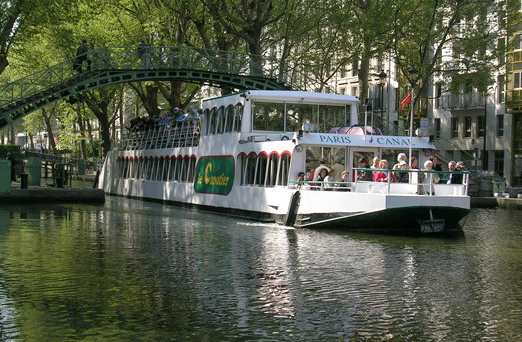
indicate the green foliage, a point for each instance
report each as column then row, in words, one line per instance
column 9, row 150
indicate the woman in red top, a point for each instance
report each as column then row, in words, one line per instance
column 381, row 176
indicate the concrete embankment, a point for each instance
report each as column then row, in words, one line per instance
column 47, row 195
column 494, row 202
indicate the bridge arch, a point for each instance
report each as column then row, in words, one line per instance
column 103, row 67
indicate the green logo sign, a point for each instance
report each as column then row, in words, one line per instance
column 214, row 175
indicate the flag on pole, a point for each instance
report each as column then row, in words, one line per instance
column 405, row 101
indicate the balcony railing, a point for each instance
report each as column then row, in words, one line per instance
column 460, row 101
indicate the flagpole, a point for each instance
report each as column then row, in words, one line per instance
column 411, row 124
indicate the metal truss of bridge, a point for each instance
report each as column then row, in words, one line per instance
column 102, row 67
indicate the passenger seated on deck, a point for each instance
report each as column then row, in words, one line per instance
column 381, row 176
column 363, row 175
column 429, row 177
column 323, row 177
column 400, row 166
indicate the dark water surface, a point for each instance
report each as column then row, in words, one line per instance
column 139, row 271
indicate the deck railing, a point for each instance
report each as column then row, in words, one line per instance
column 159, row 136
column 407, row 182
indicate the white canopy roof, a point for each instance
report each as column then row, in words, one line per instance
column 299, row 96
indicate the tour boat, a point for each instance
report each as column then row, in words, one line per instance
column 258, row 153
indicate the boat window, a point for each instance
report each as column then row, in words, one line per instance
column 125, row 166
column 146, row 163
column 330, row 117
column 131, row 168
column 271, row 175
column 268, row 116
column 241, row 162
column 164, row 163
column 251, row 168
column 121, row 165
column 177, row 171
column 206, row 121
column 126, row 169
column 153, row 168
column 172, row 168
column 298, row 114
column 192, row 168
column 262, row 161
column 158, row 166
column 238, row 116
column 332, row 158
column 220, row 120
column 212, row 121
column 229, row 126
column 391, row 157
column 165, row 169
column 284, row 167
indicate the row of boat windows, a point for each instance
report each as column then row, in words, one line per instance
column 264, row 170
column 220, row 120
column 180, row 169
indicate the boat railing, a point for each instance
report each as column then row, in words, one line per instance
column 407, row 182
column 159, row 136
column 411, row 181
column 320, row 185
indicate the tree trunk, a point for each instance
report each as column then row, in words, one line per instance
column 105, row 132
column 364, row 73
column 31, row 141
column 12, row 134
column 83, row 147
column 49, row 128
column 254, row 48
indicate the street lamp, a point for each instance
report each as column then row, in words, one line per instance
column 382, row 82
column 412, row 71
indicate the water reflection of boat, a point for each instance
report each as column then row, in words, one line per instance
column 253, row 154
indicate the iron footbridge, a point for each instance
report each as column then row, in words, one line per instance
column 101, row 67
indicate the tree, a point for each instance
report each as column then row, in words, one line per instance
column 425, row 30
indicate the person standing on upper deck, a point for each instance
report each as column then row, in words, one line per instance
column 451, row 168
column 401, row 165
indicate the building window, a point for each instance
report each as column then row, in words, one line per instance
column 354, row 91
column 517, row 80
column 343, row 71
column 499, row 163
column 454, row 127
column 437, row 128
column 342, row 91
column 517, row 42
column 467, row 127
column 500, row 125
column 481, row 125
column 355, row 66
column 501, row 91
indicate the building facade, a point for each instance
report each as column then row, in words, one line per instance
column 514, row 87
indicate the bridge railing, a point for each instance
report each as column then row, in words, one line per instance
column 146, row 58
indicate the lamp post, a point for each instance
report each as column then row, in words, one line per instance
column 382, row 81
column 412, row 71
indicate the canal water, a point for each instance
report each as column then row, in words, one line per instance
column 141, row 271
